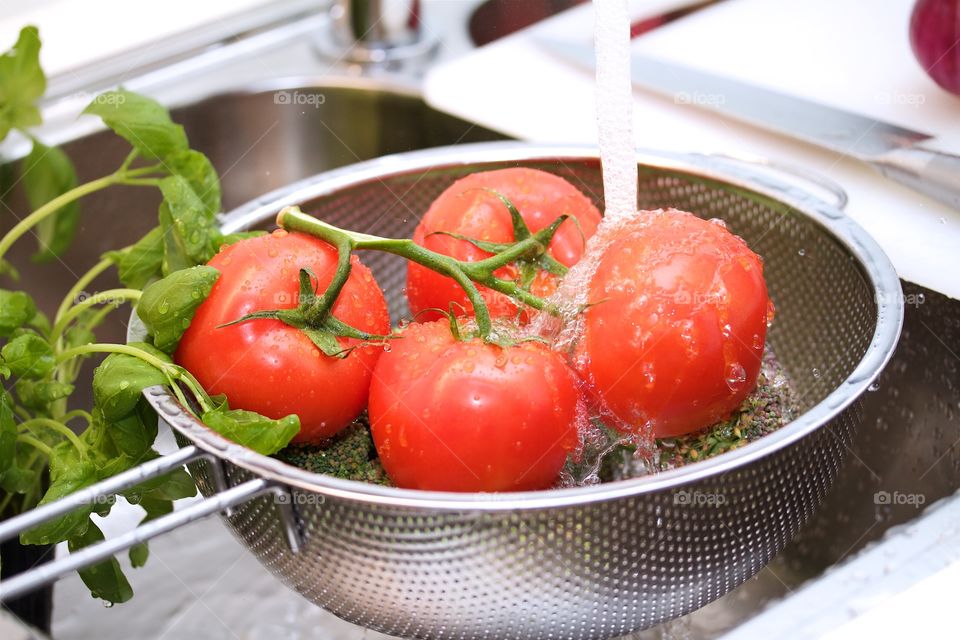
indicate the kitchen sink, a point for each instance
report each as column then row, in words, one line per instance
column 262, row 134
column 259, row 138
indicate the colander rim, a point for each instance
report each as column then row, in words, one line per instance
column 873, row 262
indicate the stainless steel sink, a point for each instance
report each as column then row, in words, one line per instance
column 260, row 137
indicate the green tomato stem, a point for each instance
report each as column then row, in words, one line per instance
column 466, row 274
column 57, row 427
column 115, row 296
column 318, row 309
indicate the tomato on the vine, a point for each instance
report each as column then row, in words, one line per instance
column 267, row 366
column 467, row 415
column 676, row 333
column 468, row 208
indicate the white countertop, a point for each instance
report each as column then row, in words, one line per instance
column 846, row 53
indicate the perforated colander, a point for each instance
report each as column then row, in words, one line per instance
column 587, row 562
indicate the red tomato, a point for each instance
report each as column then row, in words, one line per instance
column 450, row 415
column 676, row 337
column 465, row 209
column 272, row 368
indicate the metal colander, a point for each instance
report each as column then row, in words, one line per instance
column 588, row 562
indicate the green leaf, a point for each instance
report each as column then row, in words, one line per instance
column 252, row 430
column 134, row 434
column 18, row 480
column 139, row 554
column 167, row 306
column 21, row 83
column 47, row 173
column 28, row 356
column 105, row 580
column 38, row 394
column 141, row 121
column 139, row 264
column 198, row 171
column 16, row 309
column 8, row 433
column 121, row 378
column 190, row 232
column 69, row 472
column 155, row 508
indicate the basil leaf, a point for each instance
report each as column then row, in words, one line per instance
column 69, row 472
column 167, row 306
column 134, row 435
column 139, row 264
column 37, row 394
column 190, row 232
column 252, row 430
column 121, row 378
column 105, row 580
column 47, row 173
column 21, row 83
column 141, row 121
column 16, row 309
column 28, row 356
column 199, row 173
column 18, row 480
column 155, row 509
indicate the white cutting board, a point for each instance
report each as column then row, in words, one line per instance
column 846, row 53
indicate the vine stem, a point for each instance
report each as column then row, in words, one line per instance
column 466, row 274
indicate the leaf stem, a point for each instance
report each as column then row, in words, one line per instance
column 115, row 296
column 51, row 208
column 36, row 444
column 57, row 427
column 82, row 283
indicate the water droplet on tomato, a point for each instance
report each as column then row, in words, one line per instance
column 387, row 347
column 736, row 376
column 717, row 221
column 726, row 330
column 757, row 341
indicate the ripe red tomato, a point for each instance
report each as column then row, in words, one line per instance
column 272, row 368
column 466, row 209
column 676, row 336
column 450, row 415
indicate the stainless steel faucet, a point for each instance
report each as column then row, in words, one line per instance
column 376, row 31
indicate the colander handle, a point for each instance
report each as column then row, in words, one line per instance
column 45, row 574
